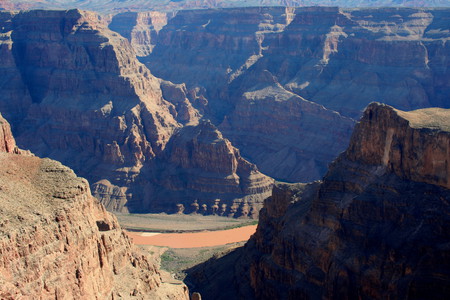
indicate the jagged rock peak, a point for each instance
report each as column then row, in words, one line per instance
column 414, row 145
column 58, row 242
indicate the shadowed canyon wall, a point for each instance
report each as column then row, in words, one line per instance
column 376, row 227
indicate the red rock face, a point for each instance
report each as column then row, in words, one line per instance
column 58, row 242
column 7, row 142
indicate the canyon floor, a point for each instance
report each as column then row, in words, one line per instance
column 179, row 242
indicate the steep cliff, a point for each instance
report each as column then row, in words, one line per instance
column 340, row 58
column 377, row 226
column 250, row 106
column 204, row 173
column 7, row 141
column 75, row 92
column 58, row 242
column 140, row 29
column 83, row 98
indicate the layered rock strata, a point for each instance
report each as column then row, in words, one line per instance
column 86, row 100
column 76, row 93
column 203, row 173
column 140, row 29
column 340, row 58
column 58, row 242
column 376, row 227
column 7, row 141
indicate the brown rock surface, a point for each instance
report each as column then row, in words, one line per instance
column 377, row 227
column 7, row 141
column 58, row 242
column 199, row 164
column 86, row 100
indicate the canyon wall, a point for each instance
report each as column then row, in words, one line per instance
column 200, row 160
column 58, row 242
column 273, row 127
column 75, row 92
column 140, row 29
column 376, row 227
column 274, row 58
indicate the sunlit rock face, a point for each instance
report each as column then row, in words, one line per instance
column 58, row 242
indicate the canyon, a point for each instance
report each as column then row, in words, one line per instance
column 282, row 95
column 288, row 83
column 200, row 111
column 375, row 227
column 75, row 92
column 58, row 242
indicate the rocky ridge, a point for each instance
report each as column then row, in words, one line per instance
column 375, row 227
column 7, row 141
column 58, row 242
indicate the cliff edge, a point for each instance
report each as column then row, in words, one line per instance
column 376, row 227
column 58, row 242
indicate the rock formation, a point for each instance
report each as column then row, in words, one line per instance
column 140, row 29
column 260, row 116
column 340, row 58
column 58, row 242
column 200, row 167
column 7, row 141
column 377, row 226
column 76, row 93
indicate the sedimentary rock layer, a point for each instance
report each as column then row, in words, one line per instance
column 340, row 58
column 74, row 91
column 376, row 227
column 58, row 242
column 139, row 28
column 202, row 172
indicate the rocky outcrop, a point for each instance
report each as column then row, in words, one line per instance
column 58, row 242
column 340, row 58
column 140, row 28
column 203, row 173
column 7, row 141
column 376, row 227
